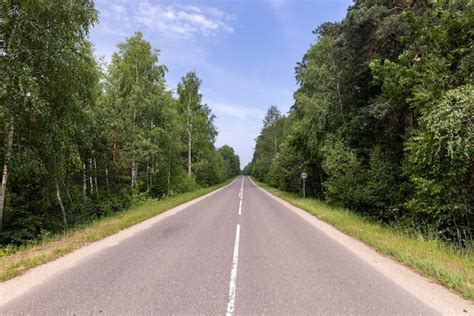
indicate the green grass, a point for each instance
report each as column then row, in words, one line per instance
column 439, row 261
column 15, row 261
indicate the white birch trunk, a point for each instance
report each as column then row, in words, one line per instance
column 9, row 129
column 90, row 176
column 106, row 173
column 134, row 173
column 189, row 152
column 61, row 204
column 84, row 180
column 189, row 127
column 95, row 177
column 147, row 176
column 8, row 153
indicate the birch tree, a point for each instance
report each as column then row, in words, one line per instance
column 135, row 77
column 198, row 120
column 36, row 38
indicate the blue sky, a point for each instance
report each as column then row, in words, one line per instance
column 244, row 51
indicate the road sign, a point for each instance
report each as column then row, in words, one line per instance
column 304, row 175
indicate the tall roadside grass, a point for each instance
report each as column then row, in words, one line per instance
column 437, row 260
column 15, row 261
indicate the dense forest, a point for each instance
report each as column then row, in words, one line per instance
column 383, row 118
column 83, row 139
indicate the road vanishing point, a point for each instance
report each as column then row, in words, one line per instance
column 237, row 250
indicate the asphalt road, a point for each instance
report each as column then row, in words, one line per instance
column 209, row 259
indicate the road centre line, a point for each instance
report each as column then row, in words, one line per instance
column 233, row 274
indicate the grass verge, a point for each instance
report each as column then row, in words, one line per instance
column 18, row 261
column 434, row 259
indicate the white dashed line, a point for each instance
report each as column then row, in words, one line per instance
column 233, row 274
column 241, row 195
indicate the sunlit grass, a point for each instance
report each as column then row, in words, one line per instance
column 15, row 261
column 444, row 263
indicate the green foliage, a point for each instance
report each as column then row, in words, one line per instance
column 183, row 182
column 199, row 132
column 382, row 119
column 230, row 162
column 87, row 140
column 345, row 174
column 268, row 143
column 440, row 164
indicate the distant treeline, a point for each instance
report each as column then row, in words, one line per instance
column 81, row 141
column 383, row 119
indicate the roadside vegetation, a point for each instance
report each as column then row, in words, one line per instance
column 82, row 139
column 15, row 260
column 382, row 120
column 431, row 257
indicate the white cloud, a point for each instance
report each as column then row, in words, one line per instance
column 173, row 20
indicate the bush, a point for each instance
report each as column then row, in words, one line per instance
column 346, row 174
column 440, row 162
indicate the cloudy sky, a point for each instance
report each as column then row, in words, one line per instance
column 244, row 51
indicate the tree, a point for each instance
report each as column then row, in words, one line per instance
column 267, row 143
column 200, row 131
column 440, row 164
column 381, row 117
column 231, row 162
column 271, row 123
column 136, row 84
column 37, row 38
column 82, row 140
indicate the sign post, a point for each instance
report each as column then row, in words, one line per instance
column 304, row 175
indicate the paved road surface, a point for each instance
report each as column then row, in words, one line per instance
column 208, row 259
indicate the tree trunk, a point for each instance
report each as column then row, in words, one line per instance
column 67, row 192
column 61, row 205
column 189, row 127
column 106, row 173
column 152, row 169
column 9, row 132
column 95, row 177
column 134, row 173
column 147, row 176
column 10, row 127
column 90, row 176
column 84, row 180
column 189, row 152
column 114, row 164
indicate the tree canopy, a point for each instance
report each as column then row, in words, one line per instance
column 382, row 120
column 81, row 140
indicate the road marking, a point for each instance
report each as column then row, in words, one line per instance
column 233, row 275
column 241, row 195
